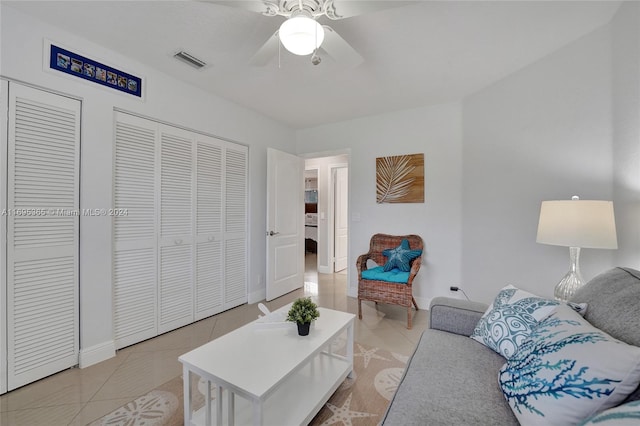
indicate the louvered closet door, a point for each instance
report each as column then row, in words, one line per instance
column 235, row 249
column 135, row 234
column 209, row 265
column 4, row 107
column 176, row 296
column 42, row 234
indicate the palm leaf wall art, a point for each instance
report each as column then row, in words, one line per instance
column 400, row 179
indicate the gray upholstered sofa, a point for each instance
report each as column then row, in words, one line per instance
column 453, row 380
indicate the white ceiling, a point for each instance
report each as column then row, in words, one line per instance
column 424, row 53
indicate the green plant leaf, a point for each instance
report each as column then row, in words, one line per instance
column 303, row 311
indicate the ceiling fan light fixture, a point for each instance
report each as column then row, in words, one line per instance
column 301, row 35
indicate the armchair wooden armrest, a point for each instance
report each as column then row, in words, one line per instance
column 361, row 263
column 415, row 267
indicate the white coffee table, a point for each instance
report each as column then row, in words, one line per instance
column 280, row 378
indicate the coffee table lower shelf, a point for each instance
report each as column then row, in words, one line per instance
column 295, row 401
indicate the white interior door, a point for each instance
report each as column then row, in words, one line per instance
column 285, row 224
column 341, row 222
column 42, row 234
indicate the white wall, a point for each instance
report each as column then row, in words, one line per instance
column 626, row 131
column 434, row 131
column 542, row 133
column 166, row 99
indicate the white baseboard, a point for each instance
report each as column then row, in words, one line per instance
column 324, row 269
column 423, row 302
column 257, row 296
column 97, row 353
column 352, row 291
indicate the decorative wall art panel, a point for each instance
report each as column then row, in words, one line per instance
column 400, row 179
column 80, row 66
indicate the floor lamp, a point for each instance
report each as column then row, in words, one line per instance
column 576, row 224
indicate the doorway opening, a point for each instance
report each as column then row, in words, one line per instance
column 326, row 216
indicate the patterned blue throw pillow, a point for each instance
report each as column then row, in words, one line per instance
column 400, row 257
column 510, row 319
column 623, row 415
column 567, row 371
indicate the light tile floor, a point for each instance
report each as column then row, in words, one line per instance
column 79, row 396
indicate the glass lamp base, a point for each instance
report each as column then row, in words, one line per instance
column 571, row 282
column 568, row 286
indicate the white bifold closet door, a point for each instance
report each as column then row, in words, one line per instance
column 208, row 220
column 42, row 234
column 4, row 108
column 235, row 251
column 188, row 260
column 135, row 239
column 176, row 228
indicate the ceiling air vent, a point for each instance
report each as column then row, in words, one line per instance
column 188, row 58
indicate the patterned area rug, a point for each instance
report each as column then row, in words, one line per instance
column 359, row 401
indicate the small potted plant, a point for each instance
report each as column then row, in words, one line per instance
column 302, row 312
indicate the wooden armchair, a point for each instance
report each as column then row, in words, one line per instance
column 396, row 293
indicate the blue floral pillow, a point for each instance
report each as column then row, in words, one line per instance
column 623, row 415
column 567, row 371
column 400, row 257
column 510, row 319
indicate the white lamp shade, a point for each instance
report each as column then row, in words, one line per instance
column 577, row 223
column 301, row 35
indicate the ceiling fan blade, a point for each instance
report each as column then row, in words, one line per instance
column 348, row 8
column 339, row 49
column 257, row 6
column 266, row 52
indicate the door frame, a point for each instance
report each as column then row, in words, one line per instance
column 347, row 153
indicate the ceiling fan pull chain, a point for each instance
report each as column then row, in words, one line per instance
column 315, row 59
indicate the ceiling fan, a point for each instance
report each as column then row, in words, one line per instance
column 301, row 34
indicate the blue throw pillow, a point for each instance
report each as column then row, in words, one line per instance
column 567, row 371
column 400, row 257
column 509, row 320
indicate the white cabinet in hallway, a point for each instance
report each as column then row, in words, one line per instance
column 179, row 253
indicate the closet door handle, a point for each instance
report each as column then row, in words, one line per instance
column 177, row 241
column 271, row 233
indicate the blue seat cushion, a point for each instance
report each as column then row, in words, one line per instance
column 393, row 276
